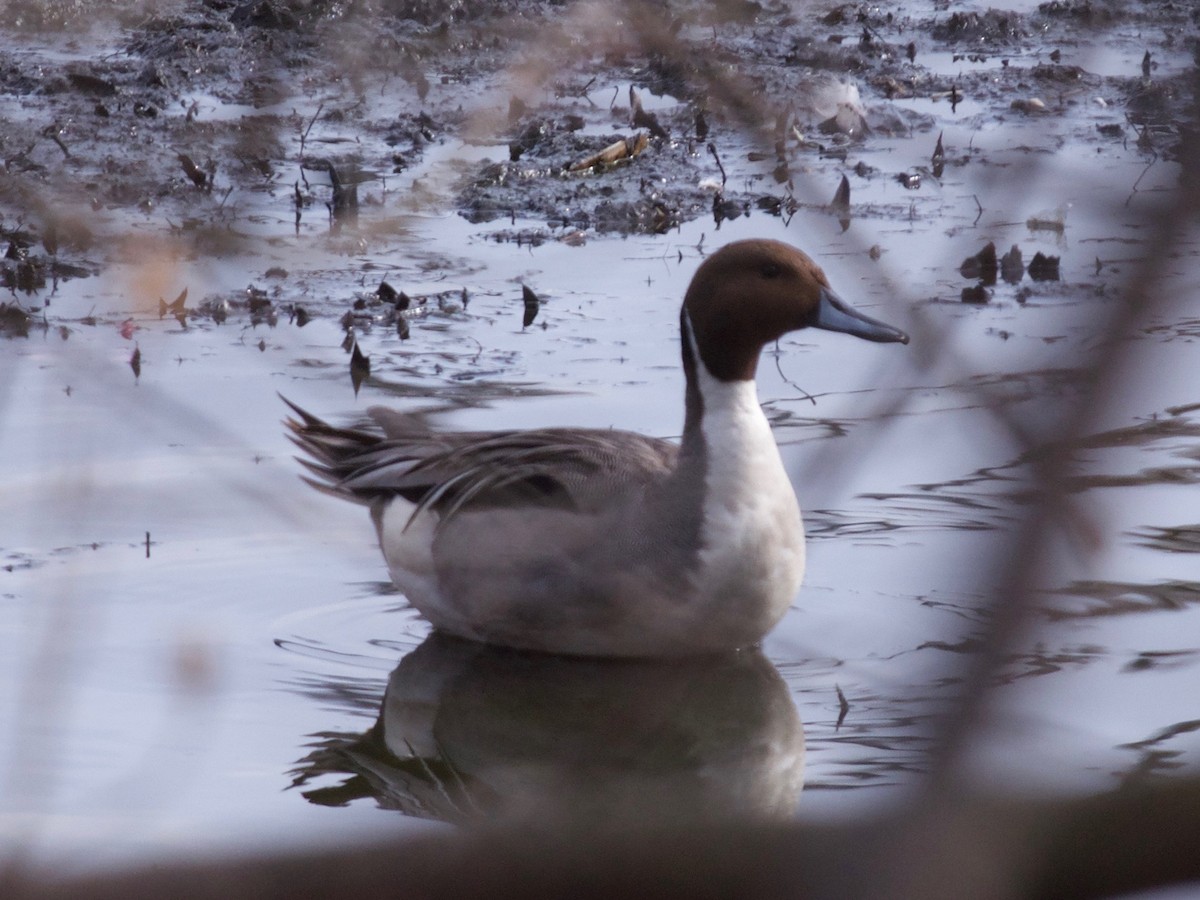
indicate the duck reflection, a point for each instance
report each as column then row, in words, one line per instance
column 471, row 733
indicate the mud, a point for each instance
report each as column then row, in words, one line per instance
column 138, row 132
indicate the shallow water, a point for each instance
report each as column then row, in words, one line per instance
column 187, row 628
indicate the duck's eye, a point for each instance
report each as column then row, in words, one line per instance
column 771, row 270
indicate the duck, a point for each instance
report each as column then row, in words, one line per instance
column 600, row 542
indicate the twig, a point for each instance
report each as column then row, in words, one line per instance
column 311, row 123
column 713, row 150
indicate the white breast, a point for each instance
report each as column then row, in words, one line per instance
column 753, row 540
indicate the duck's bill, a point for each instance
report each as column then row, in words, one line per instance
column 834, row 314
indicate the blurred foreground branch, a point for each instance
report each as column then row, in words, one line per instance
column 983, row 848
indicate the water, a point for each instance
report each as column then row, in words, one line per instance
column 188, row 628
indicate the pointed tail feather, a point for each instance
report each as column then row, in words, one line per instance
column 334, row 454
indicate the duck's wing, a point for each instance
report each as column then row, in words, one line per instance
column 566, row 468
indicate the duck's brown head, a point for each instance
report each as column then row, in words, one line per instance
column 750, row 293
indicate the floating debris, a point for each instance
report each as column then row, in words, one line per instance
column 724, row 208
column 1043, row 268
column 1057, row 73
column 643, row 119
column 782, row 129
column 785, row 207
column 55, row 132
column 386, row 293
column 840, row 103
column 527, row 140
column 910, row 180
column 259, row 305
column 1047, row 221
column 992, row 26
column 91, row 84
column 840, row 205
column 343, row 203
column 982, row 265
column 1029, row 106
column 360, row 367
column 14, row 321
column 977, row 294
column 197, row 175
column 1012, row 267
column 28, row 274
column 407, row 308
column 848, row 120
column 626, row 148
column 176, row 308
column 841, row 198
column 532, row 305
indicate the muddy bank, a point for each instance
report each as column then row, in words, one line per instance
column 199, row 121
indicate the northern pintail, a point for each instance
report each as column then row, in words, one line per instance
column 598, row 542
